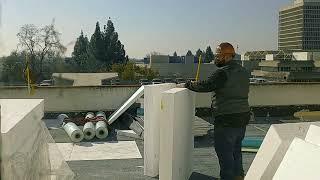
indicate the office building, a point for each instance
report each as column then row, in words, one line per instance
column 299, row 26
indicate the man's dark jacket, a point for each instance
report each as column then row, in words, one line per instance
column 231, row 86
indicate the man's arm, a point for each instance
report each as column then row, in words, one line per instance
column 215, row 81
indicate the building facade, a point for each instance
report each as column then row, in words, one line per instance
column 295, row 67
column 299, row 26
column 180, row 66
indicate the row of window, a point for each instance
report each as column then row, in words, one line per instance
column 286, row 36
column 284, row 69
column 290, row 31
column 284, row 20
column 312, row 39
column 307, row 40
column 301, row 69
column 312, row 34
column 292, row 39
column 312, row 7
column 297, row 44
column 312, row 25
column 288, row 18
column 307, row 69
column 289, row 23
column 286, row 41
column 309, row 47
column 298, row 27
column 311, row 20
column 312, row 15
column 293, row 27
column 290, row 12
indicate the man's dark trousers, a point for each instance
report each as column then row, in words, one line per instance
column 227, row 143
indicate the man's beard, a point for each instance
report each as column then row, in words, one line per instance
column 218, row 63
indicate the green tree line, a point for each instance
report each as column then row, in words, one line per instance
column 40, row 49
column 103, row 49
column 207, row 55
column 130, row 71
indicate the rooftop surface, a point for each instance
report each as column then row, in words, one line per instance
column 205, row 161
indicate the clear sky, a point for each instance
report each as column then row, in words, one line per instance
column 144, row 26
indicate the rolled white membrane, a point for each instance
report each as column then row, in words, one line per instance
column 89, row 131
column 61, row 119
column 101, row 130
column 101, row 115
column 90, row 115
column 75, row 134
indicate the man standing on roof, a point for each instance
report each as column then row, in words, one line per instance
column 232, row 114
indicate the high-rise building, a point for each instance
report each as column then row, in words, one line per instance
column 299, row 26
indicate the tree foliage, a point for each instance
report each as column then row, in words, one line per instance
column 84, row 60
column 209, row 56
column 198, row 53
column 175, row 54
column 97, row 48
column 39, row 44
column 103, row 50
column 129, row 71
column 189, row 53
column 13, row 68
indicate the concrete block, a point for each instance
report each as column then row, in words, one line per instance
column 313, row 135
column 300, row 162
column 274, row 147
column 176, row 138
column 133, row 124
column 152, row 118
column 128, row 135
column 19, row 118
column 24, row 153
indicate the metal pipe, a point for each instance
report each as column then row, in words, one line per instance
column 75, row 134
column 89, row 131
column 101, row 130
column 61, row 118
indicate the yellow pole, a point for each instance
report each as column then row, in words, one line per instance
column 29, row 81
column 198, row 70
column 27, row 72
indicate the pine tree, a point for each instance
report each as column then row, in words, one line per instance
column 175, row 54
column 97, row 45
column 80, row 52
column 109, row 29
column 198, row 53
column 114, row 49
column 209, row 56
column 203, row 57
column 189, row 53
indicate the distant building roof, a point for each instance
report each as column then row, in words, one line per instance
column 85, row 79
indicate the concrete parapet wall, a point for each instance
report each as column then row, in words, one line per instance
column 69, row 99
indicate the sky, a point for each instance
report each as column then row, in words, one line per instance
column 145, row 26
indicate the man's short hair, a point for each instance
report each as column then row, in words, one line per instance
column 227, row 48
